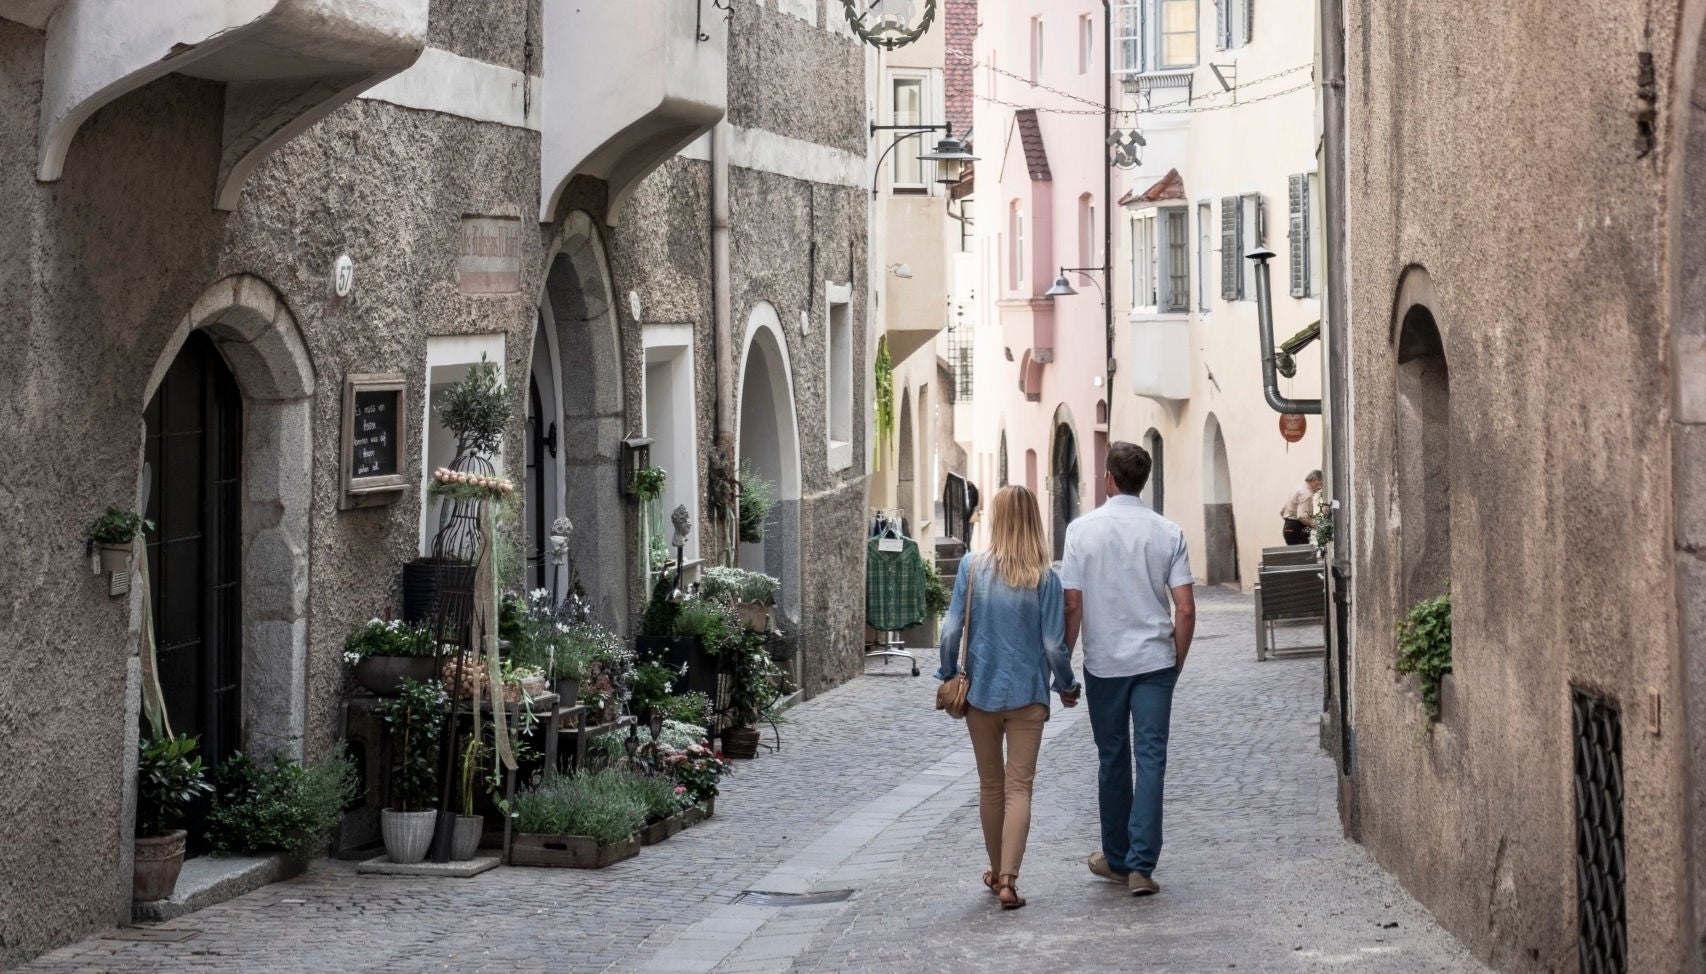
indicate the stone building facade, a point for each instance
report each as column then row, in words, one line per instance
column 172, row 278
column 1525, row 360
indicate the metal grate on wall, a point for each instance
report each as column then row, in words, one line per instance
column 960, row 358
column 1601, row 937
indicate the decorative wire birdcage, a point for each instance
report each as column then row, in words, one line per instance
column 456, row 550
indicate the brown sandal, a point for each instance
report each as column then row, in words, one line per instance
column 989, row 880
column 1006, row 886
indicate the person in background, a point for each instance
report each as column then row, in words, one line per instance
column 1125, row 568
column 1299, row 511
column 1017, row 637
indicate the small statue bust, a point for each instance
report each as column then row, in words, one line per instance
column 683, row 525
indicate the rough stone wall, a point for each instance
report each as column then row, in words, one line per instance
column 1540, row 226
column 788, row 239
column 100, row 268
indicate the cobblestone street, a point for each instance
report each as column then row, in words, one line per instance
column 875, row 792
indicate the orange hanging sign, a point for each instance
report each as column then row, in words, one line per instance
column 1293, row 426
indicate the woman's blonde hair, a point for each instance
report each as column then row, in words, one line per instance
column 1016, row 545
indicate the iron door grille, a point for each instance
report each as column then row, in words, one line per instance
column 1601, row 939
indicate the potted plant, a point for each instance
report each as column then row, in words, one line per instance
column 583, row 821
column 752, row 593
column 697, row 768
column 279, row 805
column 384, row 654
column 111, row 534
column 168, row 781
column 757, row 682
column 412, row 719
column 757, row 500
column 465, row 841
column 662, row 801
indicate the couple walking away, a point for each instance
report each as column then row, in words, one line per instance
column 1014, row 621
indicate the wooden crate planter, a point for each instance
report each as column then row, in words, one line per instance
column 694, row 814
column 569, row 851
column 661, row 830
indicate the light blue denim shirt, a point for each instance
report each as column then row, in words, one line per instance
column 1017, row 637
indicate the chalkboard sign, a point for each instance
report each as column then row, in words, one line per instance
column 375, row 439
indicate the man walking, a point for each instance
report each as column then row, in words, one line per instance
column 1298, row 514
column 1123, row 562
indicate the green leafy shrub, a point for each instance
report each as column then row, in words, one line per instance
column 412, row 719
column 281, row 805
column 651, row 685
column 1424, row 646
column 757, row 500
column 713, row 623
column 598, row 804
column 658, row 621
column 686, row 708
column 117, row 526
column 718, row 582
column 648, row 483
column 168, row 781
column 477, row 409
column 658, row 797
column 937, row 595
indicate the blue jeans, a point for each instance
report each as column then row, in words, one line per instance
column 1130, row 714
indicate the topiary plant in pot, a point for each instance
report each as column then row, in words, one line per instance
column 412, row 719
column 168, row 781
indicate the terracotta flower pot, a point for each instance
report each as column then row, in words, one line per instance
column 114, row 557
column 159, row 859
column 408, row 835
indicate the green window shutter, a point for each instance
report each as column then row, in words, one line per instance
column 1297, row 236
column 1231, row 261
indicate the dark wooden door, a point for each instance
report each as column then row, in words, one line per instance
column 194, row 452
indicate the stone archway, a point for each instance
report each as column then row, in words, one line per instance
column 577, row 312
column 767, row 440
column 256, row 335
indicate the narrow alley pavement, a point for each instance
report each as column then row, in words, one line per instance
column 875, row 792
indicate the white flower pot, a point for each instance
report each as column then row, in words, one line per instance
column 408, row 835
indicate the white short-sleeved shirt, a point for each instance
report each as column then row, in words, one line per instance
column 1125, row 559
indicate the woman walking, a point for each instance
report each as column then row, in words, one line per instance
column 1015, row 637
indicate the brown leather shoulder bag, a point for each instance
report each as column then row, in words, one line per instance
column 951, row 695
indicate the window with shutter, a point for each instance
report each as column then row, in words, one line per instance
column 1298, row 235
column 1222, row 26
column 1231, row 268
column 1175, row 253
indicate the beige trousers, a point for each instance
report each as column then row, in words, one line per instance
column 1004, row 782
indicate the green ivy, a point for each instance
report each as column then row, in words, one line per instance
column 1424, row 646
column 884, row 399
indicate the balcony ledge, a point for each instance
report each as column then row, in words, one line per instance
column 286, row 64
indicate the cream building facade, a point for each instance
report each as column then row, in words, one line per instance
column 1222, row 94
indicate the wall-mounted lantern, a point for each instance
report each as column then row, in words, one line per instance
column 950, row 154
column 889, row 24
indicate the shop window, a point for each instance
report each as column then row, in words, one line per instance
column 448, row 359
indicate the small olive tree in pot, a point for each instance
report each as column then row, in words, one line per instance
column 168, row 781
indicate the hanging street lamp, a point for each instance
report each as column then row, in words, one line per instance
column 889, row 24
column 1063, row 288
column 949, row 151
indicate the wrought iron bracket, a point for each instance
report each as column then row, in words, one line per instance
column 728, row 8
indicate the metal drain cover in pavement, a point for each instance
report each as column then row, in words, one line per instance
column 753, row 897
column 153, row 935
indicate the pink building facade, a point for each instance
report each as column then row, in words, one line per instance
column 1039, row 417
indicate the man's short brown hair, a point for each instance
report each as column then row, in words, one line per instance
column 1129, row 464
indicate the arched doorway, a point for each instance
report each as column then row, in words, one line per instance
column 194, row 456
column 1220, row 532
column 543, row 502
column 1423, row 432
column 1064, row 486
column 767, row 442
column 227, row 436
column 1155, row 492
column 577, row 313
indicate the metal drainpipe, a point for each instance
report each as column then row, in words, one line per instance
column 722, row 313
column 1265, row 325
column 1336, row 331
column 1108, row 200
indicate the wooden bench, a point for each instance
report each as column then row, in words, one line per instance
column 1291, row 588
